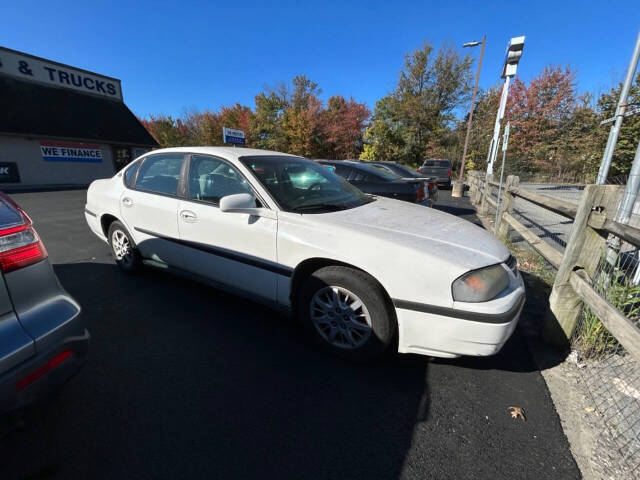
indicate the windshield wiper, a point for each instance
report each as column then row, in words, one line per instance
column 332, row 207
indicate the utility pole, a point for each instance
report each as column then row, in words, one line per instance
column 458, row 188
column 620, row 114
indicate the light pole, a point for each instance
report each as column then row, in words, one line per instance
column 619, row 115
column 458, row 187
column 514, row 53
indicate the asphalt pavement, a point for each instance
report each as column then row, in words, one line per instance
column 184, row 381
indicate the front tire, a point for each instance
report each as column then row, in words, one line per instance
column 123, row 249
column 346, row 312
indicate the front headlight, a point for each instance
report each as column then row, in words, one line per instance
column 480, row 285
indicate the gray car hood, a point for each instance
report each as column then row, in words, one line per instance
column 427, row 230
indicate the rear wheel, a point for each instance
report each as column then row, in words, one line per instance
column 345, row 311
column 123, row 249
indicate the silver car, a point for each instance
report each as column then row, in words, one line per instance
column 43, row 341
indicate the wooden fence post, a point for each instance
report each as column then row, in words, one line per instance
column 469, row 181
column 506, row 205
column 473, row 191
column 484, row 207
column 584, row 249
column 480, row 179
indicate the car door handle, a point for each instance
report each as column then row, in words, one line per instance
column 127, row 202
column 188, row 216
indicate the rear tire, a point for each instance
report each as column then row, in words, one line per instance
column 124, row 252
column 346, row 312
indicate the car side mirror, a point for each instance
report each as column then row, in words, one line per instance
column 237, row 201
column 244, row 203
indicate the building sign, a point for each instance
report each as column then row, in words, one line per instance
column 30, row 68
column 232, row 135
column 9, row 172
column 70, row 152
column 121, row 157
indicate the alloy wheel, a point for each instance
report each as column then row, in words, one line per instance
column 340, row 317
column 121, row 246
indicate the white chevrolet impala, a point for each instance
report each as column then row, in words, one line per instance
column 363, row 273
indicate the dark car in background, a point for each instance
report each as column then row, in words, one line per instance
column 376, row 181
column 406, row 172
column 43, row 340
column 438, row 168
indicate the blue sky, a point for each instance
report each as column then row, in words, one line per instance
column 192, row 54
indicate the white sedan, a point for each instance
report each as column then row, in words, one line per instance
column 362, row 273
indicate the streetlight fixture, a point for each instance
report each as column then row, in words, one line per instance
column 514, row 53
column 458, row 187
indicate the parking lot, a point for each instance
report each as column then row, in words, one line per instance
column 183, row 381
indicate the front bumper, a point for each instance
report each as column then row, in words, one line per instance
column 14, row 394
column 448, row 332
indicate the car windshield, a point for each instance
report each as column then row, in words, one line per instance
column 437, row 163
column 300, row 185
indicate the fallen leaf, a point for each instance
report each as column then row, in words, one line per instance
column 517, row 412
column 589, row 409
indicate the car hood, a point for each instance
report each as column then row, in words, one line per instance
column 425, row 229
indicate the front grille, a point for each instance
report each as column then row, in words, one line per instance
column 512, row 263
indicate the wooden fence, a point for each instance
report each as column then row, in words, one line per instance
column 593, row 220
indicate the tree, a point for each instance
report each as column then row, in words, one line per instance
column 165, row 130
column 539, row 114
column 301, row 127
column 384, row 138
column 429, row 90
column 290, row 119
column 342, row 126
column 484, row 117
column 266, row 126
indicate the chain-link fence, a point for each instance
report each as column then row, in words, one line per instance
column 612, row 375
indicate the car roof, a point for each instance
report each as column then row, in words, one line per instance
column 228, row 152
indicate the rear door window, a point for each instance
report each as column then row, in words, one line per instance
column 357, row 175
column 160, row 174
column 130, row 173
column 437, row 163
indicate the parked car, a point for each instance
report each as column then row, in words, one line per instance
column 286, row 231
column 377, row 181
column 440, row 169
column 406, row 172
column 43, row 340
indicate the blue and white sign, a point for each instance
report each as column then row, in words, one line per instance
column 232, row 135
column 70, row 152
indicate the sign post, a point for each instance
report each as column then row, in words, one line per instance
column 233, row 136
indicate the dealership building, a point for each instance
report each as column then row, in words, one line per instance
column 62, row 126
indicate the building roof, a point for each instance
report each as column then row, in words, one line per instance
column 37, row 110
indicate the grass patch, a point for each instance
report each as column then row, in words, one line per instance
column 591, row 338
column 532, row 262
